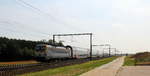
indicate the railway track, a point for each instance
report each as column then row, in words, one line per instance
column 16, row 69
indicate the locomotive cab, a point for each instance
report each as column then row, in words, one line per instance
column 40, row 48
column 41, row 51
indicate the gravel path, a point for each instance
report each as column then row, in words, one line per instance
column 109, row 69
column 134, row 71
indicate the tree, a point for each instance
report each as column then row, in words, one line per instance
column 14, row 49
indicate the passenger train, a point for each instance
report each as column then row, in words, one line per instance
column 48, row 52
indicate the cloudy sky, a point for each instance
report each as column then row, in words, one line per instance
column 122, row 23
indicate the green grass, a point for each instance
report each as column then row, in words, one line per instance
column 129, row 61
column 73, row 70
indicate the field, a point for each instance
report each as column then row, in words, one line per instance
column 73, row 70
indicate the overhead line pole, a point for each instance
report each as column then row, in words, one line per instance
column 109, row 49
column 115, row 51
column 90, row 34
column 91, row 45
column 100, row 45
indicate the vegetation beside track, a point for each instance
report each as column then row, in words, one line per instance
column 8, row 64
column 73, row 70
column 129, row 61
column 19, row 62
column 142, row 58
column 18, row 50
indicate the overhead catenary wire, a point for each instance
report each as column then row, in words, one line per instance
column 21, row 33
column 13, row 34
column 22, row 26
column 66, row 25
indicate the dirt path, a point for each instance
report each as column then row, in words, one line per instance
column 109, row 69
column 134, row 71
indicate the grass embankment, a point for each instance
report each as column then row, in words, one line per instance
column 73, row 70
column 129, row 61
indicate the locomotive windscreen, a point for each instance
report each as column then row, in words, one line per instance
column 40, row 48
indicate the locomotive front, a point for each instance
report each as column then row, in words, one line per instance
column 41, row 51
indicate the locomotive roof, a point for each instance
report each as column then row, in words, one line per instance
column 49, row 45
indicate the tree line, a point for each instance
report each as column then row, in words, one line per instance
column 17, row 49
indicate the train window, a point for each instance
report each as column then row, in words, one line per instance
column 40, row 48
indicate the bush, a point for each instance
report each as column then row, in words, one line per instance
column 142, row 57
